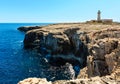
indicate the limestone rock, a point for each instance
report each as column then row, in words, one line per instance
column 95, row 46
column 83, row 73
column 103, row 47
column 104, row 58
column 34, row 81
column 94, row 80
column 116, row 74
column 108, row 33
column 28, row 28
column 59, row 44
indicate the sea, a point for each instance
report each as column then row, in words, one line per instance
column 17, row 63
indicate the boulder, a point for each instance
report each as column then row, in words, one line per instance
column 34, row 81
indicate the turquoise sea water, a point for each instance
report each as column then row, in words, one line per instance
column 17, row 64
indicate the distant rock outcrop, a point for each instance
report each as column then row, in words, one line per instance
column 27, row 28
column 94, row 47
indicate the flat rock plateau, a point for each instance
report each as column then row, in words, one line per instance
column 94, row 47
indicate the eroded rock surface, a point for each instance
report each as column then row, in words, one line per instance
column 102, row 61
column 94, row 80
column 93, row 46
column 34, row 81
column 104, row 55
column 68, row 44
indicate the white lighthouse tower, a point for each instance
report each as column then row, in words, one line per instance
column 99, row 16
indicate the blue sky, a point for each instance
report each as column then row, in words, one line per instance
column 57, row 10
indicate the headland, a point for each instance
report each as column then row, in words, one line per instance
column 92, row 46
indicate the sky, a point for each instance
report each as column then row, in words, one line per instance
column 57, row 10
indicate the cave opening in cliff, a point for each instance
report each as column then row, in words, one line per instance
column 78, row 59
column 62, row 50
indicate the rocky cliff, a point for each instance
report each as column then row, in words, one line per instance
column 93, row 47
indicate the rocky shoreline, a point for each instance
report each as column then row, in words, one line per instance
column 95, row 48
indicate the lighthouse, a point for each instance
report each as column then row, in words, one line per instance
column 99, row 16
